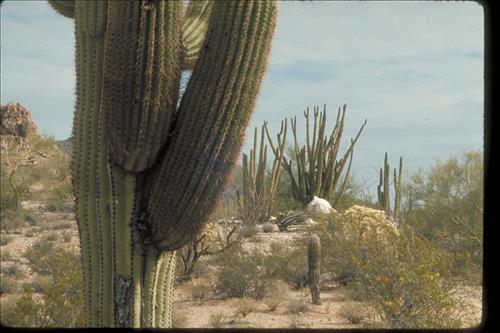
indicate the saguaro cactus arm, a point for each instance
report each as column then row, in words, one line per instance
column 141, row 79
column 64, row 7
column 194, row 29
column 383, row 191
column 397, row 191
column 213, row 116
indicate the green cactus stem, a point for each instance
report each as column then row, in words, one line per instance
column 220, row 95
column 318, row 172
column 313, row 260
column 260, row 185
column 383, row 191
column 146, row 175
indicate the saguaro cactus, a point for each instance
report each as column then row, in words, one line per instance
column 313, row 260
column 259, row 185
column 383, row 192
column 146, row 172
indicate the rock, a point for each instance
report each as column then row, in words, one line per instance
column 319, row 206
column 310, row 221
column 270, row 227
column 16, row 121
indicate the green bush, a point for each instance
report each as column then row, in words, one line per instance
column 5, row 239
column 353, row 313
column 67, row 236
column 242, row 274
column 244, row 307
column 37, row 160
column 60, row 303
column 9, row 285
column 287, row 264
column 446, row 207
column 297, row 306
column 276, row 294
column 248, row 231
column 199, row 291
column 14, row 220
column 397, row 272
column 38, row 256
column 217, row 320
column 12, row 270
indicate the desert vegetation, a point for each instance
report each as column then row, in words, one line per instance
column 353, row 265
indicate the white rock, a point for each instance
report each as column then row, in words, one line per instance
column 310, row 221
column 319, row 206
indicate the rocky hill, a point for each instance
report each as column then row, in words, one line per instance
column 16, row 121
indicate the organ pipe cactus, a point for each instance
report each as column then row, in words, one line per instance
column 259, row 185
column 383, row 192
column 147, row 171
column 313, row 260
column 317, row 171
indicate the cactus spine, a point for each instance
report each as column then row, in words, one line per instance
column 259, row 185
column 318, row 172
column 383, row 192
column 313, row 260
column 145, row 173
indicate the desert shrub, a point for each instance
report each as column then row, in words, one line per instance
column 6, row 255
column 12, row 220
column 214, row 239
column 5, row 239
column 34, row 160
column 12, row 270
column 244, row 306
column 9, row 285
column 40, row 283
column 38, row 256
column 63, row 225
column 60, row 302
column 242, row 274
column 284, row 200
column 398, row 273
column 7, row 307
column 217, row 320
column 51, row 236
column 199, row 291
column 297, row 306
column 287, row 264
column 445, row 206
column 66, row 236
column 248, row 230
column 179, row 319
column 275, row 296
column 353, row 313
column 267, row 227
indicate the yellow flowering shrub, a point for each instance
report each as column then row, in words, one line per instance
column 398, row 273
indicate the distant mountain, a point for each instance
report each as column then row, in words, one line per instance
column 66, row 145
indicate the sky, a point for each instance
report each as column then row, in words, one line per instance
column 413, row 69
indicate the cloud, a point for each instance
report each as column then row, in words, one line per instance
column 413, row 69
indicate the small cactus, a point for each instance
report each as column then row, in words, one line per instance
column 313, row 259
